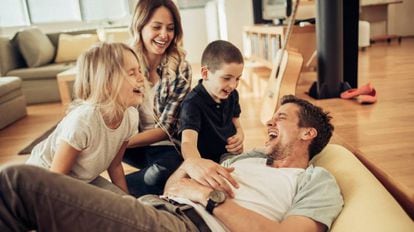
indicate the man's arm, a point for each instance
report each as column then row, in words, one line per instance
column 238, row 218
column 234, row 216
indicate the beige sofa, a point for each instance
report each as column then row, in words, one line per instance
column 37, row 58
column 12, row 101
column 368, row 205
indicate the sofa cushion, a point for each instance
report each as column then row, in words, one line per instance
column 35, row 47
column 44, row 72
column 71, row 46
column 12, row 110
column 10, row 57
column 9, row 84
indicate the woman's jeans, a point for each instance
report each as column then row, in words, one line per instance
column 156, row 164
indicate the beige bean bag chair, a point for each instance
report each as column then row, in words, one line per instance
column 368, row 207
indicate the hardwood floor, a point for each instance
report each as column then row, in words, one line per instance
column 378, row 134
column 21, row 133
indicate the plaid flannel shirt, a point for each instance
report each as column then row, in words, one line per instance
column 169, row 94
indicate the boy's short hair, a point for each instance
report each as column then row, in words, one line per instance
column 219, row 52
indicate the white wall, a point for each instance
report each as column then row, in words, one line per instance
column 195, row 33
column 239, row 13
column 200, row 25
column 212, row 21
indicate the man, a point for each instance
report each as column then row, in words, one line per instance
column 278, row 190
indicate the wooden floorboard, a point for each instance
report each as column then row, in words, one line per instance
column 379, row 134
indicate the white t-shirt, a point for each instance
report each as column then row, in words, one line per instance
column 265, row 190
column 85, row 130
column 146, row 114
column 277, row 193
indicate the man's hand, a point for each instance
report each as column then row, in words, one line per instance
column 235, row 143
column 211, row 174
column 189, row 189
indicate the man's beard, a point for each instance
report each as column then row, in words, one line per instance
column 281, row 151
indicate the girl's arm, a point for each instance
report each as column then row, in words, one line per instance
column 235, row 142
column 64, row 159
column 116, row 171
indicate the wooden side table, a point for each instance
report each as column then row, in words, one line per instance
column 63, row 79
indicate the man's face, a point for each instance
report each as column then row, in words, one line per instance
column 283, row 131
column 223, row 81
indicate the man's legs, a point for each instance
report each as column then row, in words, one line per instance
column 34, row 198
column 106, row 184
column 160, row 163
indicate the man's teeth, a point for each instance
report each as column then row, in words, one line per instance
column 272, row 135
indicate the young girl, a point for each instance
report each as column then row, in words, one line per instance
column 157, row 33
column 93, row 136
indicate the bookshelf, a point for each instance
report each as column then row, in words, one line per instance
column 261, row 42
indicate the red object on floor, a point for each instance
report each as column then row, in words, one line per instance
column 369, row 98
column 352, row 93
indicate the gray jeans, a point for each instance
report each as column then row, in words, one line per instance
column 33, row 198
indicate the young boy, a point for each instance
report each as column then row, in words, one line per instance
column 209, row 119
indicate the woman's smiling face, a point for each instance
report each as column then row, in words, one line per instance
column 158, row 33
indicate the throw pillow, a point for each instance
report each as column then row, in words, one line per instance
column 71, row 46
column 35, row 47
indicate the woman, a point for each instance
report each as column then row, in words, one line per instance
column 157, row 33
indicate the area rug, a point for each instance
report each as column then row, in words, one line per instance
column 28, row 149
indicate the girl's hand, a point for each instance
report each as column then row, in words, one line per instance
column 209, row 173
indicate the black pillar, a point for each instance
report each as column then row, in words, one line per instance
column 351, row 18
column 336, row 52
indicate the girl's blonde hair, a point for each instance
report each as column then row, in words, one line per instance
column 99, row 79
column 174, row 54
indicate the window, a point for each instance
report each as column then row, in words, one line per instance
column 17, row 13
column 13, row 13
column 47, row 11
column 104, row 9
column 185, row 4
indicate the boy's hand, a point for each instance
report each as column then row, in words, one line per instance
column 209, row 173
column 235, row 143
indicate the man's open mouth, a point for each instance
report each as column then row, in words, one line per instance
column 272, row 135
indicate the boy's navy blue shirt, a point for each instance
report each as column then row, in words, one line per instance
column 212, row 120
